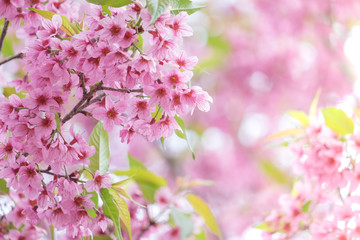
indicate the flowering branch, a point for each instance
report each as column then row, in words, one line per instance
column 19, row 55
column 3, row 34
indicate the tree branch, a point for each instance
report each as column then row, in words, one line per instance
column 3, row 33
column 124, row 90
column 19, row 55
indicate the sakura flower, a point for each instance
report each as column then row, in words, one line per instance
column 113, row 28
column 51, row 27
column 98, row 182
column 44, row 125
column 41, row 99
column 111, row 113
column 179, row 26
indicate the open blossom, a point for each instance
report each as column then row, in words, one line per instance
column 110, row 114
column 51, row 27
column 98, row 182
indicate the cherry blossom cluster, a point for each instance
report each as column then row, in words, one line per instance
column 324, row 203
column 122, row 70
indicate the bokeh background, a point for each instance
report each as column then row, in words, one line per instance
column 258, row 59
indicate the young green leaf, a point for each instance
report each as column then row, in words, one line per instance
column 162, row 139
column 204, row 211
column 100, row 140
column 111, row 211
column 105, row 10
column 274, row 173
column 338, row 121
column 149, row 182
column 156, row 8
column 111, row 3
column 264, row 226
column 183, row 221
column 180, row 122
column 305, row 207
column 200, row 236
column 67, row 27
column 300, row 116
column 57, row 119
column 123, row 193
column 135, row 163
column 3, row 188
column 102, row 237
column 182, row 134
column 313, row 106
column 184, row 6
column 7, row 91
column 123, row 211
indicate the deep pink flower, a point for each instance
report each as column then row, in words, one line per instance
column 111, row 113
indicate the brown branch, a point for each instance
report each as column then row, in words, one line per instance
column 78, row 107
column 19, row 55
column 3, row 33
column 124, row 90
column 81, row 76
column 87, row 100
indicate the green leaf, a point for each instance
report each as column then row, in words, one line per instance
column 338, row 121
column 105, row 10
column 102, row 237
column 180, row 122
column 123, row 193
column 313, row 107
column 300, row 116
column 274, row 173
column 204, row 211
column 8, row 91
column 100, row 140
column 162, row 139
column 3, row 187
column 180, row 134
column 149, row 182
column 123, row 211
column 183, row 221
column 57, row 119
column 305, row 207
column 111, row 211
column 200, row 236
column 157, row 114
column 67, row 27
column 7, row 49
column 264, row 226
column 156, row 8
column 95, row 198
column 111, row 3
column 140, row 42
column 184, row 6
column 135, row 163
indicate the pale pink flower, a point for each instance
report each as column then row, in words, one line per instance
column 98, row 182
column 51, row 27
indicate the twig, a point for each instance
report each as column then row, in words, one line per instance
column 81, row 76
column 78, row 106
column 3, row 33
column 125, row 90
column 19, row 55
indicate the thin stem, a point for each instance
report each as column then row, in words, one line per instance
column 81, row 76
column 84, row 98
column 19, row 55
column 3, row 33
column 124, row 90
